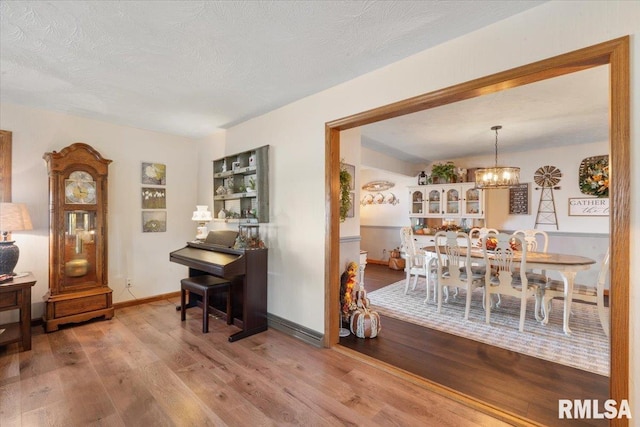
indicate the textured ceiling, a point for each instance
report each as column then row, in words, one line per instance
column 567, row 110
column 191, row 67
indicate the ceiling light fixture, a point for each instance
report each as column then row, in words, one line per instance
column 497, row 176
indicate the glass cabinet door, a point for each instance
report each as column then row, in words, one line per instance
column 417, row 204
column 79, row 248
column 433, row 201
column 452, row 204
column 473, row 202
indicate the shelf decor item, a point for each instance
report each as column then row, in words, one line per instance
column 442, row 173
column 594, row 176
column 241, row 186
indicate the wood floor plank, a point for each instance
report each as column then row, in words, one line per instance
column 10, row 404
column 521, row 384
column 146, row 367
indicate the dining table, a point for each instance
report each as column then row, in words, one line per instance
column 566, row 265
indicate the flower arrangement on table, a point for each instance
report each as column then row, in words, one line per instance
column 594, row 176
column 492, row 244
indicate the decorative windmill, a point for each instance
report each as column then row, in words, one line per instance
column 547, row 177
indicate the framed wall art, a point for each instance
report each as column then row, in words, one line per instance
column 154, row 173
column 588, row 206
column 154, row 221
column 154, row 198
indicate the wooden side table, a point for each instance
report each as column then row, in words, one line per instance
column 16, row 295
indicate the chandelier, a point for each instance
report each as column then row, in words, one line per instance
column 497, row 176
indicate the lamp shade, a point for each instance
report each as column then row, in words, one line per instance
column 14, row 217
column 202, row 214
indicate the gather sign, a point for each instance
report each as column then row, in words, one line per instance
column 591, row 206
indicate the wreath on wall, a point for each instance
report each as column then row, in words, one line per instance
column 594, row 176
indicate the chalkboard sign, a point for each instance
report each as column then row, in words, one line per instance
column 519, row 199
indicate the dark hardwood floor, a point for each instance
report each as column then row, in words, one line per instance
column 514, row 382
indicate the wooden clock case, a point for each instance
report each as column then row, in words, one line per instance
column 78, row 282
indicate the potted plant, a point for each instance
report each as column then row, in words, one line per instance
column 443, row 172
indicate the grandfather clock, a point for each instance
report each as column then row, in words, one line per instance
column 78, row 289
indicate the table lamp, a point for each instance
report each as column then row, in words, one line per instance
column 13, row 217
column 202, row 216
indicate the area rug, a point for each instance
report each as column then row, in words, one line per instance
column 587, row 348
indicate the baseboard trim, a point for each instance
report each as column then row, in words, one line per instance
column 290, row 328
column 376, row 261
column 295, row 330
column 139, row 301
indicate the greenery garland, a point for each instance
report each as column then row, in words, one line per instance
column 345, row 196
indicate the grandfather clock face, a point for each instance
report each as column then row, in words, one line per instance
column 80, row 188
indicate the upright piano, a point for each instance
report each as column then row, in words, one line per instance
column 246, row 269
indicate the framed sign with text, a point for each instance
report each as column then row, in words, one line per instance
column 588, row 206
column 519, row 199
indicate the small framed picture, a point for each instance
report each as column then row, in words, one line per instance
column 352, row 171
column 351, row 211
column 154, row 173
column 154, row 198
column 154, row 221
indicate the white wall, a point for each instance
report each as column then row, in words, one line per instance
column 142, row 257
column 387, row 214
column 296, row 133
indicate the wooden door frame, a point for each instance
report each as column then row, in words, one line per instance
column 614, row 53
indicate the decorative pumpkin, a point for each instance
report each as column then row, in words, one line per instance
column 365, row 323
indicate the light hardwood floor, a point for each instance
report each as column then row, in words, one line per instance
column 145, row 367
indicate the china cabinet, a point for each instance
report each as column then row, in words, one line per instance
column 78, row 284
column 446, row 201
column 241, row 186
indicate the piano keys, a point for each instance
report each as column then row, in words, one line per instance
column 246, row 269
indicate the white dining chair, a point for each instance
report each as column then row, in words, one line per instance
column 476, row 234
column 454, row 267
column 588, row 293
column 414, row 259
column 536, row 241
column 506, row 275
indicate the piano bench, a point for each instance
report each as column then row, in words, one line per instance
column 204, row 286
